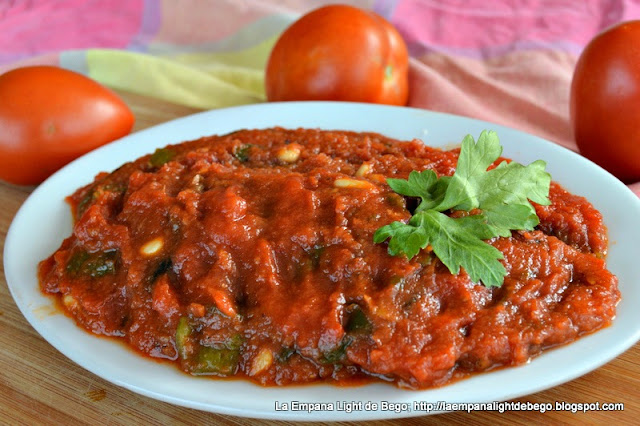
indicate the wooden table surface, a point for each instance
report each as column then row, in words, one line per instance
column 38, row 385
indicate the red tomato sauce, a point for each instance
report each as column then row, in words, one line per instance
column 251, row 254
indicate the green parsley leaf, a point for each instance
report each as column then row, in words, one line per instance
column 503, row 218
column 456, row 242
column 424, row 184
column 242, row 153
column 501, row 194
column 404, row 238
column 459, row 242
column 464, row 187
column 472, row 186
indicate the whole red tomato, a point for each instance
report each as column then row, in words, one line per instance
column 605, row 101
column 49, row 116
column 339, row 53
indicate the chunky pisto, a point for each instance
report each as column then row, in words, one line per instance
column 252, row 254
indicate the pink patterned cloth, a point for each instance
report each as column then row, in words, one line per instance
column 36, row 27
column 504, row 61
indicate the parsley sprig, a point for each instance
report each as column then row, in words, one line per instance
column 501, row 196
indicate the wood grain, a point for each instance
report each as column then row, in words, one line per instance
column 38, row 385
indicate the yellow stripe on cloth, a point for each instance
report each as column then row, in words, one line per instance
column 202, row 80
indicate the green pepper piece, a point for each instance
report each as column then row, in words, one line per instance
column 88, row 198
column 220, row 359
column 358, row 321
column 94, row 265
column 119, row 187
column 76, row 261
column 242, row 153
column 161, row 156
column 336, row 355
column 182, row 334
column 101, row 264
column 96, row 192
column 285, row 353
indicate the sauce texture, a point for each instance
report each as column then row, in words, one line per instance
column 251, row 254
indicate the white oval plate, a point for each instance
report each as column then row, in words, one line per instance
column 44, row 221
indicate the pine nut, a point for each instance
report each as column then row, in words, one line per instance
column 261, row 362
column 152, row 247
column 351, row 183
column 289, row 154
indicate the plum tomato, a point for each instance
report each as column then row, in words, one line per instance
column 49, row 116
column 341, row 53
column 605, row 101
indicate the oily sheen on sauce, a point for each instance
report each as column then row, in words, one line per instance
column 251, row 254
